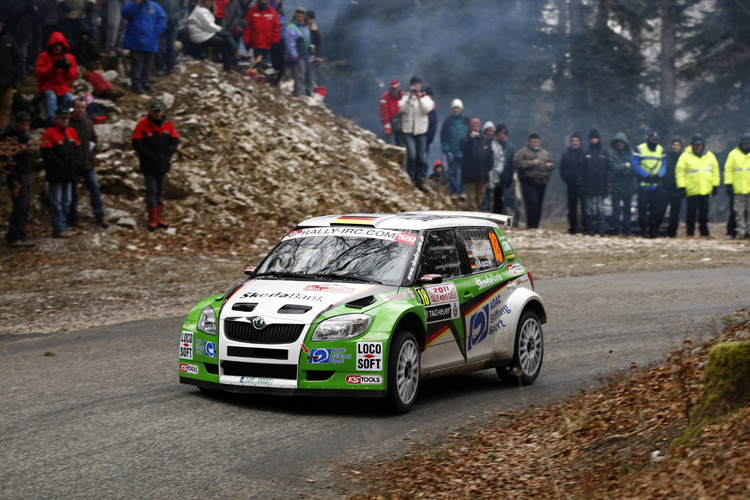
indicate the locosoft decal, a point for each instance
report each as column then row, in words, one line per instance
column 186, row 345
column 370, row 356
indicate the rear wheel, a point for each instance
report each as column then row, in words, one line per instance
column 403, row 372
column 528, row 352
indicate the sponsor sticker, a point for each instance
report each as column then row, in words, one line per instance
column 415, row 258
column 496, row 247
column 506, row 245
column 210, row 349
column 283, row 295
column 319, row 356
column 422, row 296
column 442, row 312
column 370, row 356
column 190, row 369
column 330, row 288
column 364, row 379
column 354, row 232
column 186, row 345
column 442, row 294
column 489, row 280
column 515, row 269
column 484, row 320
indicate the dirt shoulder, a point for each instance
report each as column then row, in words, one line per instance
column 102, row 277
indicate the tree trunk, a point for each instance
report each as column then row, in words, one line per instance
column 667, row 82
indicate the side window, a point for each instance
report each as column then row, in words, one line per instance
column 440, row 255
column 482, row 249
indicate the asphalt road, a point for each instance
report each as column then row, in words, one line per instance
column 105, row 417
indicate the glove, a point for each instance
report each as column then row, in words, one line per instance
column 388, row 129
column 449, row 156
column 62, row 63
column 714, row 191
column 683, row 193
column 730, row 189
column 652, row 178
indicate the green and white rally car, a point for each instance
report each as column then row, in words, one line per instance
column 369, row 305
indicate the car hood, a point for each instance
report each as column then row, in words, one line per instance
column 294, row 301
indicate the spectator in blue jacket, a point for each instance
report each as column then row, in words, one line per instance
column 297, row 41
column 146, row 22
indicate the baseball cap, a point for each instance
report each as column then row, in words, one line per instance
column 395, row 84
column 157, row 104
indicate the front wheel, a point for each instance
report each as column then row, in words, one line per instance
column 403, row 372
column 528, row 352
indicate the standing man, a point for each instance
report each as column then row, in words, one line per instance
column 476, row 163
column 737, row 181
column 55, row 70
column 18, row 168
column 146, row 22
column 297, row 40
column 391, row 115
column 10, row 73
column 501, row 175
column 453, row 129
column 623, row 183
column 155, row 140
column 61, row 152
column 697, row 177
column 597, row 183
column 167, row 57
column 84, row 128
column 670, row 195
column 263, row 30
column 571, row 171
column 416, row 106
column 534, row 166
column 649, row 164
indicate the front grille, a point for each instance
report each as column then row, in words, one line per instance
column 211, row 368
column 242, row 331
column 239, row 369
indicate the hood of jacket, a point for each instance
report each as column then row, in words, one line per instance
column 58, row 37
column 619, row 136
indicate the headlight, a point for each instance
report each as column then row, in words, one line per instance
column 342, row 327
column 207, row 321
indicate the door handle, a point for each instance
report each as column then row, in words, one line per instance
column 468, row 295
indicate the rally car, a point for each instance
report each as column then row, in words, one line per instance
column 369, row 305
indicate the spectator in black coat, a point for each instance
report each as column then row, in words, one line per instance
column 571, row 171
column 10, row 73
column 476, row 164
column 597, row 183
column 18, row 168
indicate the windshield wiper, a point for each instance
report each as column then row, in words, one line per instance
column 279, row 274
column 345, row 277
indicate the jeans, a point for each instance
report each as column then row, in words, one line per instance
column 742, row 210
column 416, row 161
column 20, row 216
column 59, row 200
column 697, row 204
column 155, row 189
column 621, row 214
column 167, row 57
column 574, row 199
column 301, row 69
column 228, row 47
column 593, row 206
column 454, row 176
column 140, row 68
column 533, row 198
column 92, row 184
column 52, row 101
column 115, row 26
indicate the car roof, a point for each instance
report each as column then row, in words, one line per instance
column 428, row 219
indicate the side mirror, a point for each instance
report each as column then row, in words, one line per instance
column 433, row 279
column 250, row 270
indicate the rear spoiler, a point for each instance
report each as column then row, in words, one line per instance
column 499, row 219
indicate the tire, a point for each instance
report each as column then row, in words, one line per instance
column 403, row 372
column 528, row 352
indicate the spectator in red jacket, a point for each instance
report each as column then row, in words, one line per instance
column 56, row 69
column 390, row 113
column 263, row 29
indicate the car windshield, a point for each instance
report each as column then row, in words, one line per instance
column 359, row 254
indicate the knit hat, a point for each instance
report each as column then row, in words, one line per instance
column 501, row 127
column 438, row 163
column 745, row 137
column 487, row 124
column 22, row 117
column 456, row 103
column 594, row 134
column 300, row 10
column 311, row 14
column 677, row 140
column 475, row 120
column 697, row 139
column 415, row 79
column 576, row 135
column 395, row 84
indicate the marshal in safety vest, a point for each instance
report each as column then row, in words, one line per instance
column 737, row 171
column 697, row 174
column 646, row 162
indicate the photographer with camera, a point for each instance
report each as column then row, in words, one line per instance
column 55, row 70
column 416, row 107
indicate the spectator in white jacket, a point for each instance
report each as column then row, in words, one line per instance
column 416, row 106
column 203, row 30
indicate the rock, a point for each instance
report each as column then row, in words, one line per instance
column 119, row 133
column 126, row 223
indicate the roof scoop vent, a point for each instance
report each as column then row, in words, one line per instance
column 294, row 309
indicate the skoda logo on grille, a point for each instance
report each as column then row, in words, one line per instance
column 258, row 322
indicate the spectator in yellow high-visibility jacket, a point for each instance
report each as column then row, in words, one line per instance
column 737, row 182
column 697, row 175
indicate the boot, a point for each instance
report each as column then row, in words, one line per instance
column 653, row 232
column 152, row 219
column 159, row 221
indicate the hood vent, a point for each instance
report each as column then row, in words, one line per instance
column 294, row 309
column 244, row 306
column 361, row 303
